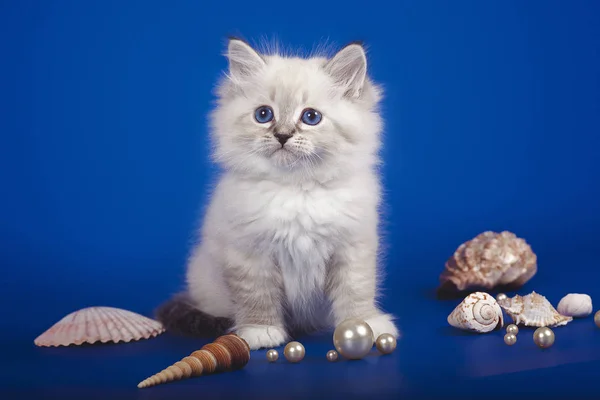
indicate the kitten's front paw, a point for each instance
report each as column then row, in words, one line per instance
column 262, row 336
column 382, row 324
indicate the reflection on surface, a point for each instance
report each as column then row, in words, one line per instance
column 487, row 355
column 373, row 374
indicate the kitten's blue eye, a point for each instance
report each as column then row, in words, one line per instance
column 263, row 114
column 311, row 116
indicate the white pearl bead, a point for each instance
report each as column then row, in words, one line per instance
column 512, row 328
column 386, row 343
column 332, row 356
column 510, row 339
column 543, row 337
column 353, row 339
column 294, row 352
column 272, row 355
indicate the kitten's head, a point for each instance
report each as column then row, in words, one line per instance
column 284, row 116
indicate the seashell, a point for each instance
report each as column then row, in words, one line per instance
column 575, row 305
column 533, row 310
column 489, row 260
column 227, row 353
column 99, row 324
column 478, row 312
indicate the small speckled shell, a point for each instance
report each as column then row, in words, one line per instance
column 226, row 353
column 533, row 310
column 478, row 312
column 490, row 259
column 575, row 305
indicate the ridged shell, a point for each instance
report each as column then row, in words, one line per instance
column 226, row 353
column 533, row 310
column 99, row 324
column 478, row 312
column 490, row 259
column 575, row 305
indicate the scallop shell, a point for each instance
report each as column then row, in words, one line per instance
column 478, row 312
column 490, row 259
column 99, row 324
column 575, row 305
column 226, row 353
column 533, row 310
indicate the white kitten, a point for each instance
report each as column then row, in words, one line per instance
column 290, row 238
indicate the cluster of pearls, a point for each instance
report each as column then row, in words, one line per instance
column 543, row 337
column 353, row 339
column 293, row 352
column 511, row 334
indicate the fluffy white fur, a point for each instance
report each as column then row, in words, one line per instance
column 290, row 238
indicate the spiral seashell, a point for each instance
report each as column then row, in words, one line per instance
column 487, row 261
column 478, row 312
column 533, row 310
column 227, row 353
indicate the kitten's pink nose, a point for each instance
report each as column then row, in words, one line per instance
column 282, row 138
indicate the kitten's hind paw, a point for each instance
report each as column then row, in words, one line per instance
column 382, row 324
column 262, row 336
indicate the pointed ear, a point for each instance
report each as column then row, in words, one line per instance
column 244, row 61
column 348, row 69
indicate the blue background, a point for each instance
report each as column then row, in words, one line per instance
column 492, row 114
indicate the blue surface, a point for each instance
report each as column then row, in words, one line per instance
column 492, row 116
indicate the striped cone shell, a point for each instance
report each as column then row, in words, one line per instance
column 227, row 353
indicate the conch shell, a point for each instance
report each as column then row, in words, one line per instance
column 99, row 324
column 575, row 305
column 226, row 353
column 533, row 310
column 490, row 259
column 478, row 312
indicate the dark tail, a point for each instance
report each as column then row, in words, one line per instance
column 178, row 315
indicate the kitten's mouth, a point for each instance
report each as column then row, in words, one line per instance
column 281, row 149
column 284, row 157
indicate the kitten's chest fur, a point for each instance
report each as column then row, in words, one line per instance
column 299, row 227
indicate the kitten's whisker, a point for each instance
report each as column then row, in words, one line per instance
column 317, row 155
column 223, row 155
column 246, row 156
column 296, row 161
